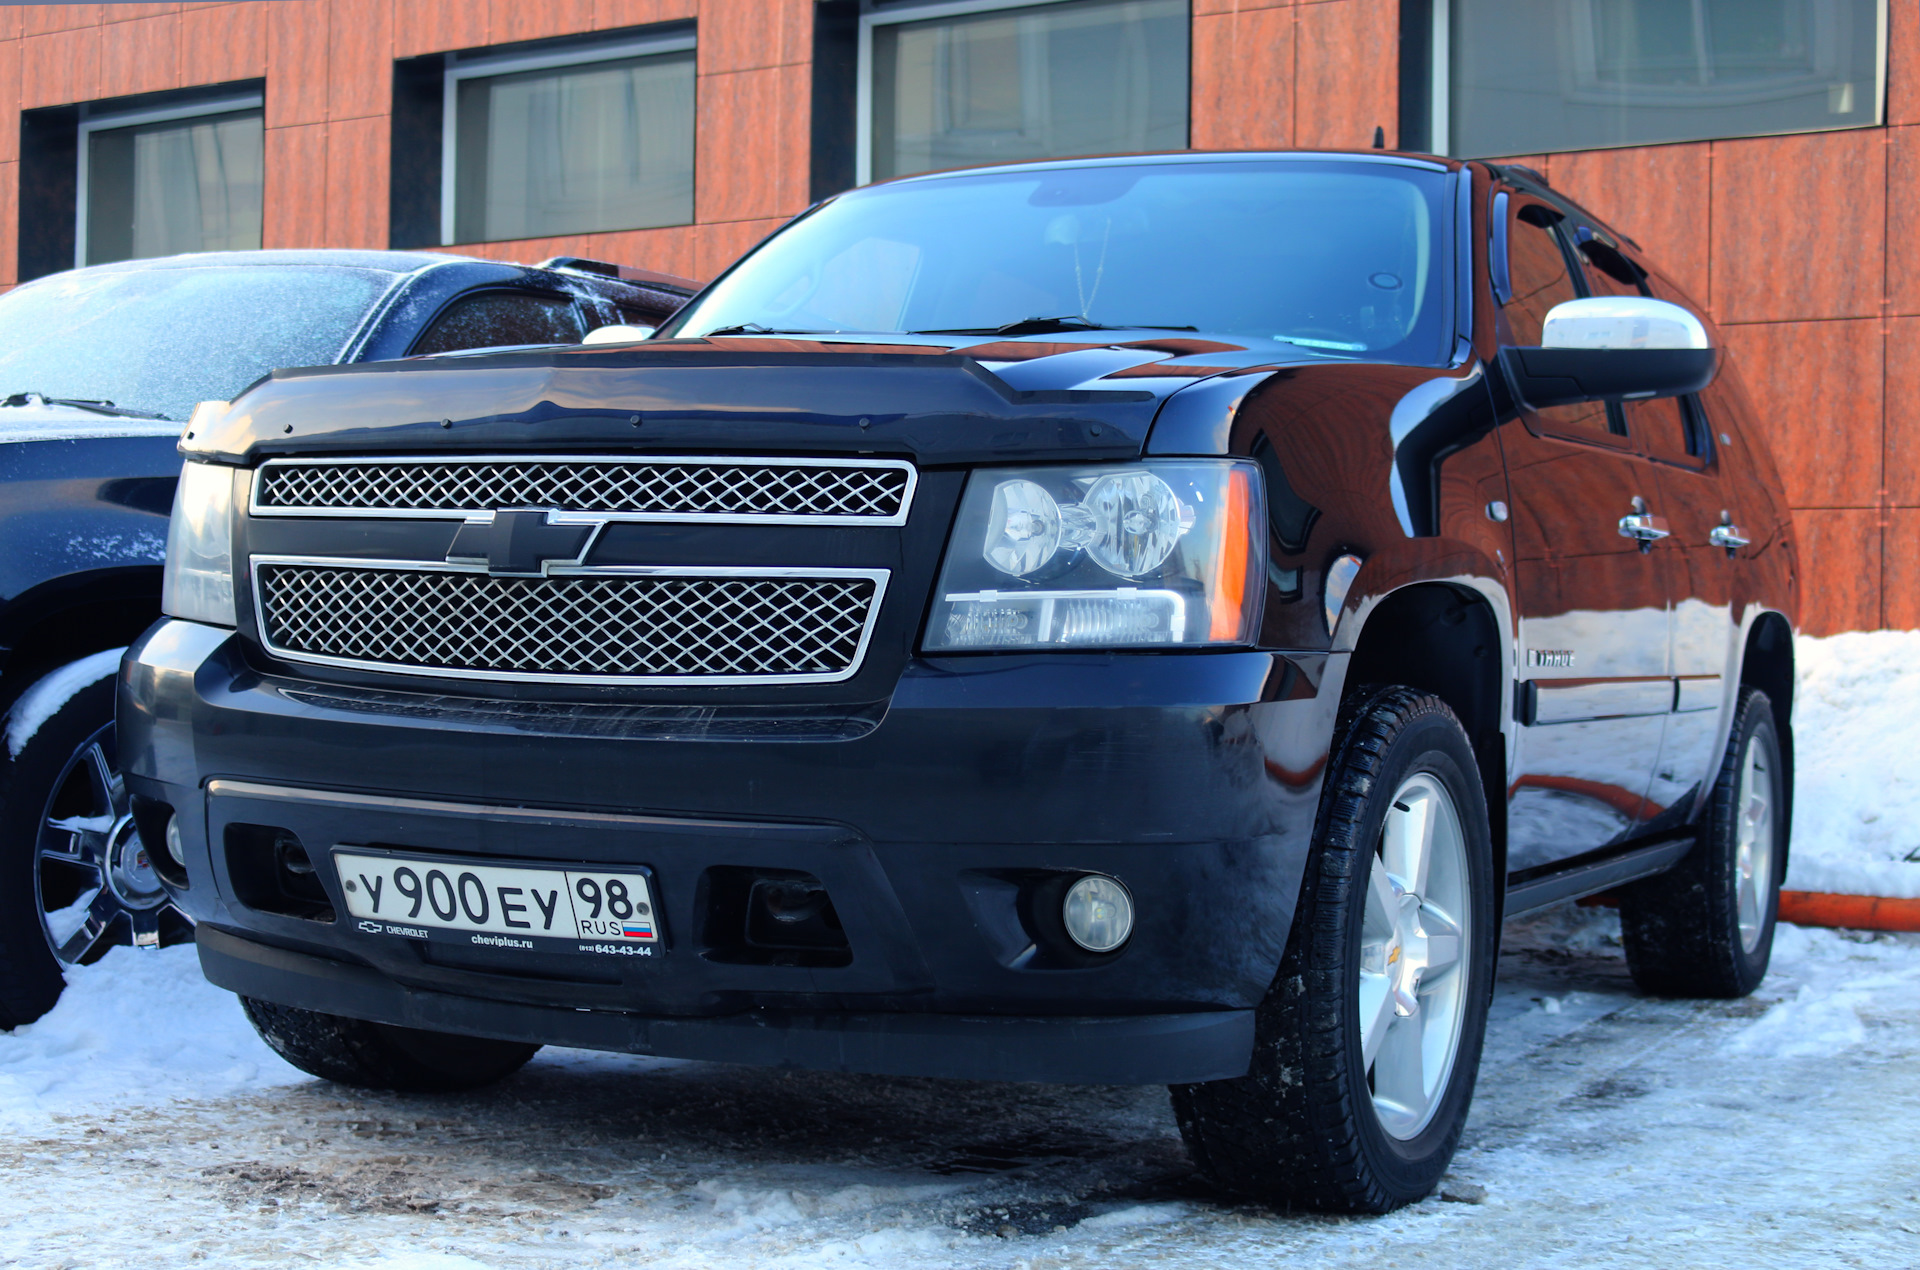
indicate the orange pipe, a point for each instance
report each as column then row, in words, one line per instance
column 1854, row 912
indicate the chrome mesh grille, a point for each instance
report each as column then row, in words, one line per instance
column 693, row 488
column 574, row 625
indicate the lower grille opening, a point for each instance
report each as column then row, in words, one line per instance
column 771, row 917
column 272, row 873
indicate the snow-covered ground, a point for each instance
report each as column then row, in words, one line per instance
column 1856, row 733
column 142, row 1122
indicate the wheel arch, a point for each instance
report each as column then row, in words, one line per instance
column 69, row 617
column 1449, row 638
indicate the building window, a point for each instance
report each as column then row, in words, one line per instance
column 159, row 182
column 989, row 81
column 568, row 141
column 1532, row 76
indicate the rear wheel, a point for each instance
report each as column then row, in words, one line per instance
column 75, row 878
column 1368, row 1043
column 381, row 1056
column 1705, row 927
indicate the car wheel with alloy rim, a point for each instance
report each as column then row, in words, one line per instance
column 78, row 879
column 1368, row 1043
column 1705, row 928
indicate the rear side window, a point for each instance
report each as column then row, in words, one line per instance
column 1537, row 270
column 495, row 318
column 1670, row 428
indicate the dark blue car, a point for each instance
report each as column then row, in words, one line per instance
column 99, row 370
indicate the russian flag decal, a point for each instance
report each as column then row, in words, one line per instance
column 636, row 930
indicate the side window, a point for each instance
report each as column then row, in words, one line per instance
column 1537, row 270
column 493, row 318
column 1608, row 272
column 630, row 316
column 1671, row 428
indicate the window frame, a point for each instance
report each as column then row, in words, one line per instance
column 1440, row 87
column 110, row 119
column 875, row 13
column 486, row 65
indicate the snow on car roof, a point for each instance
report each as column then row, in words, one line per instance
column 386, row 261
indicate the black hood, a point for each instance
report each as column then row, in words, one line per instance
column 936, row 401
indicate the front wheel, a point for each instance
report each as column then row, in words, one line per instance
column 1368, row 1043
column 380, row 1055
column 75, row 878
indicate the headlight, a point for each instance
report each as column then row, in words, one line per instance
column 198, row 585
column 1144, row 555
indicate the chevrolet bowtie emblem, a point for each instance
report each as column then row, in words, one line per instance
column 522, row 543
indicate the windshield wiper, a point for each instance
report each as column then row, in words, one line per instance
column 754, row 328
column 76, row 403
column 1055, row 325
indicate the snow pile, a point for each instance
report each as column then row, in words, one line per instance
column 1856, row 729
column 1838, row 975
column 133, row 1027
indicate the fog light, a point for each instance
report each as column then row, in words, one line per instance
column 1098, row 913
column 175, row 847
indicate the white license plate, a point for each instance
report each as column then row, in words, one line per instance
column 593, row 910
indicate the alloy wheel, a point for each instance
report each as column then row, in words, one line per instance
column 1412, row 988
column 95, row 882
column 1753, row 844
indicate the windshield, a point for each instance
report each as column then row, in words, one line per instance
column 158, row 341
column 1337, row 258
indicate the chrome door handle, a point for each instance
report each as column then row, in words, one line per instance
column 1645, row 527
column 1728, row 535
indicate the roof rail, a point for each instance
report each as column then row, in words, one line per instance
column 625, row 273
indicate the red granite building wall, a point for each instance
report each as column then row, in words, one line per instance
column 1800, row 246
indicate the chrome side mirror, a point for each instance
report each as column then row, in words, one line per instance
column 619, row 334
column 1621, row 322
column 1612, row 348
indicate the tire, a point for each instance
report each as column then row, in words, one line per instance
column 75, row 879
column 1314, row 1123
column 382, row 1056
column 1705, row 927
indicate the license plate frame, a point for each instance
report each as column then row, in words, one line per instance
column 523, row 905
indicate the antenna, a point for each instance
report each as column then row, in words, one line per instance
column 1379, row 137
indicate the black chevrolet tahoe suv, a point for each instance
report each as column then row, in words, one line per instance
column 99, row 370
column 1133, row 620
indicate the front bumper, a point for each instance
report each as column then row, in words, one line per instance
column 1193, row 778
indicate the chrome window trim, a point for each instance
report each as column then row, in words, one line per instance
column 876, row 576
column 585, row 517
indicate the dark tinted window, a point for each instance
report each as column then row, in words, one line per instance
column 1537, row 268
column 1608, row 272
column 1674, row 428
column 495, row 318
